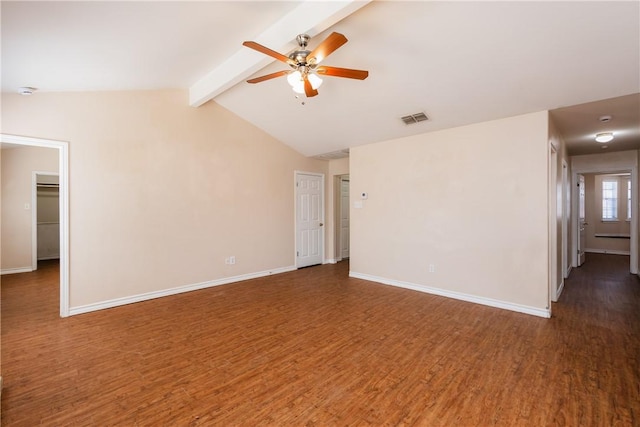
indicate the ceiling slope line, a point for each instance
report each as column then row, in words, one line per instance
column 309, row 17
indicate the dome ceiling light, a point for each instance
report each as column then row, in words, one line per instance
column 604, row 137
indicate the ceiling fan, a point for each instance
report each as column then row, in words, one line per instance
column 305, row 68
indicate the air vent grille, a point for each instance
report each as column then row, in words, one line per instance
column 340, row 154
column 414, row 118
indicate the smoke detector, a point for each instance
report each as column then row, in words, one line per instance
column 605, row 119
column 26, row 90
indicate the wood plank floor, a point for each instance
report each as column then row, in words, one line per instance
column 316, row 348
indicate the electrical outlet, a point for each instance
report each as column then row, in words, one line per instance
column 232, row 260
column 432, row 268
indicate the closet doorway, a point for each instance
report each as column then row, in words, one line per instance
column 45, row 226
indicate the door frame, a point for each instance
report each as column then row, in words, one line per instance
column 296, row 174
column 581, row 187
column 605, row 167
column 566, row 208
column 63, row 171
column 34, row 213
column 553, row 225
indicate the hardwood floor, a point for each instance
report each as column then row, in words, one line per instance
column 316, row 348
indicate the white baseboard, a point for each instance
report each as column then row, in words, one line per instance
column 607, row 251
column 173, row 291
column 16, row 270
column 47, row 258
column 456, row 295
column 333, row 260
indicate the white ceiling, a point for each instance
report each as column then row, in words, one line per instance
column 90, row 45
column 459, row 62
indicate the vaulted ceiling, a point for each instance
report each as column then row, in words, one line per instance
column 458, row 62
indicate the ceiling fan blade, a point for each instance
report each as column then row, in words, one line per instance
column 267, row 51
column 268, row 77
column 330, row 44
column 342, row 72
column 308, row 89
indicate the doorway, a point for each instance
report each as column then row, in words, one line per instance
column 607, row 213
column 566, row 208
column 63, row 208
column 606, row 164
column 341, row 219
column 45, row 221
column 582, row 220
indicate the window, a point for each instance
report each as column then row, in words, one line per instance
column 610, row 199
column 629, row 200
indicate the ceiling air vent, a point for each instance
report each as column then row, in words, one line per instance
column 334, row 155
column 414, row 118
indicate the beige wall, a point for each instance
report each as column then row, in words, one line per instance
column 593, row 216
column 472, row 201
column 18, row 165
column 160, row 192
column 339, row 167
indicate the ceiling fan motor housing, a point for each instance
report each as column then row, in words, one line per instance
column 299, row 57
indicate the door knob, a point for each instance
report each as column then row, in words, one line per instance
column 321, row 224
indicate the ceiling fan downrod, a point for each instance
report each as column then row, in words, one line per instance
column 299, row 57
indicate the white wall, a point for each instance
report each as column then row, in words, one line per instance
column 160, row 192
column 471, row 201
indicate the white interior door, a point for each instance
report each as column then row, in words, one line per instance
column 344, row 218
column 309, row 219
column 582, row 234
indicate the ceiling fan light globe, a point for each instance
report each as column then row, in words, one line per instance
column 315, row 81
column 295, row 79
column 299, row 87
